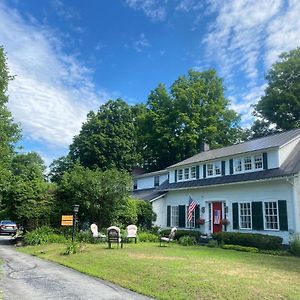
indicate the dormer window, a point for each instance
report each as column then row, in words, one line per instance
column 213, row 169
column 238, row 165
column 180, row 174
column 186, row 174
column 258, row 161
column 193, row 172
column 248, row 163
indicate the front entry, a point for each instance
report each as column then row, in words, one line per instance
column 217, row 216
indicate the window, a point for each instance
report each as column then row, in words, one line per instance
column 186, row 173
column 174, row 216
column 156, row 180
column 180, row 174
column 210, row 169
column 247, row 163
column 188, row 223
column 218, row 168
column 193, row 172
column 238, row 165
column 258, row 163
column 245, row 216
column 271, row 215
column 135, row 184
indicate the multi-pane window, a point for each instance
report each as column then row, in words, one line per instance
column 210, row 169
column 190, row 224
column 218, row 168
column 258, row 162
column 135, row 184
column 193, row 172
column 174, row 216
column 186, row 173
column 180, row 174
column 245, row 216
column 247, row 163
column 213, row 169
column 271, row 215
column 238, row 165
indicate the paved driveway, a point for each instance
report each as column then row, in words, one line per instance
column 27, row 277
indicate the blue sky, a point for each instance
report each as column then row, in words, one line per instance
column 69, row 57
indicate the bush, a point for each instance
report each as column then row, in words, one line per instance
column 147, row 237
column 276, row 252
column 212, row 244
column 179, row 233
column 84, row 236
column 187, row 240
column 260, row 241
column 295, row 246
column 43, row 235
column 240, row 248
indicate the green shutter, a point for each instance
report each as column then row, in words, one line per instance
column 175, row 175
column 182, row 216
column 257, row 216
column 265, row 161
column 235, row 215
column 223, row 167
column 197, row 215
column 197, row 172
column 283, row 218
column 168, row 216
column 204, row 171
column 231, row 166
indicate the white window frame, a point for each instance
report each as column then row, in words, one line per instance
column 265, row 215
column 187, row 223
column 186, row 173
column 248, row 215
column 240, row 162
column 174, row 223
column 216, row 165
column 191, row 174
column 180, row 173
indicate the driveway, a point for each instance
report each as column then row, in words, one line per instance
column 27, row 277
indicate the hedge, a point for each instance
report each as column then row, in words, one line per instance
column 240, row 248
column 179, row 233
column 260, row 241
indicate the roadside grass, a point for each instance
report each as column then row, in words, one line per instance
column 177, row 272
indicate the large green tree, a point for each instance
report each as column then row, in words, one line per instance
column 281, row 103
column 9, row 131
column 107, row 139
column 175, row 124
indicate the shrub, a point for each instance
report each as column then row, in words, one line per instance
column 212, row 244
column 179, row 233
column 43, row 235
column 84, row 236
column 187, row 240
column 260, row 241
column 295, row 246
column 240, row 248
column 147, row 237
column 276, row 252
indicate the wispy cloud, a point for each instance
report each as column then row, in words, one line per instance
column 141, row 43
column 52, row 91
column 153, row 9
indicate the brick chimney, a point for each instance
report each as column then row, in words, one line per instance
column 204, row 147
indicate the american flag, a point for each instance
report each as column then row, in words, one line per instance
column 191, row 207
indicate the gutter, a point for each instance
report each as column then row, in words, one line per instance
column 158, row 197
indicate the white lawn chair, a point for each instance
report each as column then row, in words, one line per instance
column 170, row 238
column 131, row 232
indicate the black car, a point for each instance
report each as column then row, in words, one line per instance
column 8, row 227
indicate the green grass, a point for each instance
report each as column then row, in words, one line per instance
column 177, row 272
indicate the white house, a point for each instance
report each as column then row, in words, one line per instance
column 255, row 185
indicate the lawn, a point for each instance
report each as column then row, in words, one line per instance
column 178, row 272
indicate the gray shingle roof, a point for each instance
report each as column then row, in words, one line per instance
column 291, row 166
column 272, row 141
column 147, row 194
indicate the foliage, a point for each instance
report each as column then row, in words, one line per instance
column 84, row 237
column 98, row 193
column 43, row 235
column 281, row 103
column 187, row 240
column 179, row 233
column 240, row 248
column 295, row 246
column 147, row 237
column 261, row 128
column 259, row 241
column 275, row 252
column 58, row 167
column 127, row 212
column 145, row 214
column 107, row 139
column 73, row 248
column 173, row 126
column 212, row 244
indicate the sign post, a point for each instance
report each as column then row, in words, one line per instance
column 75, row 211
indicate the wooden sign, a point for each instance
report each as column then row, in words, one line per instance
column 67, row 220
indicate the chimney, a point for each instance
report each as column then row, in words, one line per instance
column 204, row 147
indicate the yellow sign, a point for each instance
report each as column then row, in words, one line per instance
column 67, row 220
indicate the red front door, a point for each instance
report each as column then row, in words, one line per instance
column 217, row 216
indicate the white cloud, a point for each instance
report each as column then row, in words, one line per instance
column 245, row 38
column 153, row 9
column 189, row 5
column 141, row 43
column 52, row 91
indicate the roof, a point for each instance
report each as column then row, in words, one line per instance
column 291, row 166
column 160, row 172
column 147, row 194
column 271, row 141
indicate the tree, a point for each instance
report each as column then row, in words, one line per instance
column 60, row 166
column 261, row 128
column 107, row 139
column 9, row 131
column 281, row 103
column 174, row 125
